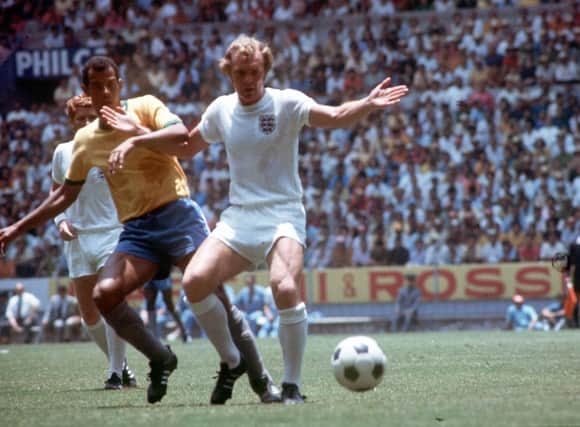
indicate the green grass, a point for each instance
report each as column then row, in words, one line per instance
column 432, row 379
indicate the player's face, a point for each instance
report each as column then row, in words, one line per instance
column 83, row 116
column 104, row 88
column 248, row 77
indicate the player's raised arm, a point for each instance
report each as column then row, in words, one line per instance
column 347, row 114
column 170, row 140
column 55, row 203
column 196, row 143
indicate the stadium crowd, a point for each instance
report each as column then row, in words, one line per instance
column 480, row 163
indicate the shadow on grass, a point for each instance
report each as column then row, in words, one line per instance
column 100, row 390
column 188, row 405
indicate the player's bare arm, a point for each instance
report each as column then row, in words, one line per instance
column 195, row 144
column 347, row 114
column 167, row 140
column 66, row 230
column 54, row 204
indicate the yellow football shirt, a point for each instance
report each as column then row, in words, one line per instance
column 149, row 179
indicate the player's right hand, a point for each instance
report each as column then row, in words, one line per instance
column 117, row 156
column 119, row 120
column 66, row 231
column 7, row 234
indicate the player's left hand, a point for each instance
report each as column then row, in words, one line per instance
column 7, row 234
column 118, row 155
column 383, row 96
column 119, row 120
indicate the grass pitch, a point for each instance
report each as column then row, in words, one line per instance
column 432, row 379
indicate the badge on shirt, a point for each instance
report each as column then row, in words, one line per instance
column 267, row 123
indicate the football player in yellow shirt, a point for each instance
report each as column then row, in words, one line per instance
column 162, row 226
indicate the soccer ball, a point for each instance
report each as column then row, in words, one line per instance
column 358, row 363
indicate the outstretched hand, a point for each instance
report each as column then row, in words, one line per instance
column 383, row 96
column 118, row 119
column 7, row 234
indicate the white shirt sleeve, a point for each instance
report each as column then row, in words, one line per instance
column 58, row 175
column 57, row 169
column 209, row 124
column 33, row 301
column 11, row 308
column 299, row 105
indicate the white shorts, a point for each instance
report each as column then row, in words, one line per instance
column 87, row 254
column 252, row 231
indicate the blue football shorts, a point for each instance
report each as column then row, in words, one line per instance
column 165, row 235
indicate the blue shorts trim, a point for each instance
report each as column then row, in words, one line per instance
column 165, row 235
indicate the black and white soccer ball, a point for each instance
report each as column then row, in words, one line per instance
column 358, row 363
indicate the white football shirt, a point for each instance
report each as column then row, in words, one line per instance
column 261, row 142
column 94, row 209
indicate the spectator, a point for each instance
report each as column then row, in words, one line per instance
column 521, row 316
column 379, row 252
column 251, row 300
column 270, row 328
column 417, row 255
column 553, row 315
column 509, row 253
column 62, row 320
column 62, row 93
column 399, row 254
column 529, row 250
column 407, row 304
column 22, row 313
column 341, row 256
column 551, row 247
column 4, row 323
column 492, row 250
column 320, row 255
column 437, row 251
column 361, row 249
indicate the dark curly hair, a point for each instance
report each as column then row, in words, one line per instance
column 98, row 63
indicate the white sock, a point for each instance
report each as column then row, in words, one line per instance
column 99, row 335
column 292, row 335
column 212, row 317
column 116, row 348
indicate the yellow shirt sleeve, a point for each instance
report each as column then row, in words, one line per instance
column 153, row 113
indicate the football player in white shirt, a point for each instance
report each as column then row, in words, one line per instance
column 266, row 220
column 90, row 229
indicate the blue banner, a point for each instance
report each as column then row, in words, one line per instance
column 51, row 63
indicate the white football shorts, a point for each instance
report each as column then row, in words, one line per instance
column 87, row 254
column 252, row 231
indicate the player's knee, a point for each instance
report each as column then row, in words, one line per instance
column 198, row 285
column 284, row 289
column 106, row 296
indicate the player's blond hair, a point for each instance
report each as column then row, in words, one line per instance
column 76, row 102
column 247, row 46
